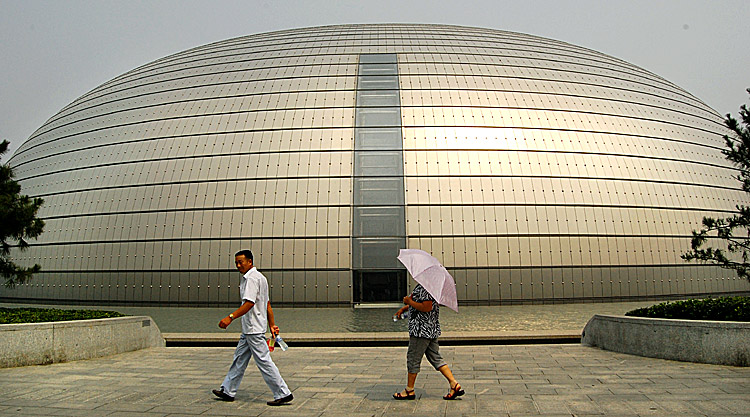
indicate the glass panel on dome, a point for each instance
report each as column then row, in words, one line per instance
column 378, row 163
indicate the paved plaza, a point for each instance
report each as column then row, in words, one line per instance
column 511, row 380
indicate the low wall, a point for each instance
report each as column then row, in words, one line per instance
column 716, row 342
column 45, row 343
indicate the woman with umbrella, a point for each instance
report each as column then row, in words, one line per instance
column 434, row 286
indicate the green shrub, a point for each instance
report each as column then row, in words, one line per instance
column 720, row 309
column 41, row 315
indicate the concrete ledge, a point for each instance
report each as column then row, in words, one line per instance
column 381, row 338
column 716, row 342
column 45, row 343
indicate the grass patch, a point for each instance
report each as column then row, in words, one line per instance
column 719, row 309
column 43, row 315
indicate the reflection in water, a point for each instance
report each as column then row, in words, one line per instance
column 343, row 320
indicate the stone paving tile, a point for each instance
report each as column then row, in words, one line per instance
column 519, row 404
column 29, row 411
column 709, row 407
column 740, row 406
column 614, row 407
column 517, row 380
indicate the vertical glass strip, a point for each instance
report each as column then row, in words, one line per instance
column 378, row 218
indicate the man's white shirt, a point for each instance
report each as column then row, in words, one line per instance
column 254, row 288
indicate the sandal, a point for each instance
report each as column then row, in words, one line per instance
column 454, row 393
column 408, row 396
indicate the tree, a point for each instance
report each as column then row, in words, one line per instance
column 738, row 152
column 18, row 222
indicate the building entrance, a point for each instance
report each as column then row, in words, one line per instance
column 379, row 286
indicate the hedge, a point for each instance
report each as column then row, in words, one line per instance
column 41, row 315
column 719, row 309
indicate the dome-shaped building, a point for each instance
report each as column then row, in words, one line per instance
column 534, row 169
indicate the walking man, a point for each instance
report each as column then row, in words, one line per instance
column 255, row 314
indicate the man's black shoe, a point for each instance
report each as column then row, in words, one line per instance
column 222, row 395
column 281, row 401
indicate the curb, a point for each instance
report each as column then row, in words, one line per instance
column 371, row 339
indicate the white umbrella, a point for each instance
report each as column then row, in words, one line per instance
column 427, row 271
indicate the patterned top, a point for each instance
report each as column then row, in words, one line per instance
column 421, row 324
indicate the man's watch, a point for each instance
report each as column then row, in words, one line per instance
column 231, row 316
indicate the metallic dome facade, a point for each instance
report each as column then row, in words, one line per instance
column 536, row 170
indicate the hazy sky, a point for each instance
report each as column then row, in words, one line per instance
column 52, row 52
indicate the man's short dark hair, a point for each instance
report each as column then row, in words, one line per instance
column 246, row 253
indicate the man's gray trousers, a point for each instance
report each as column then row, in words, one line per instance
column 254, row 345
